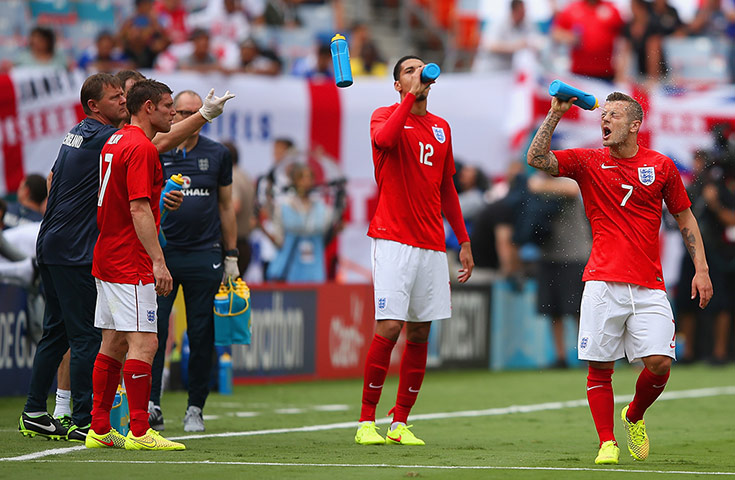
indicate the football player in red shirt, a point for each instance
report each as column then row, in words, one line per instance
column 624, row 309
column 130, row 269
column 412, row 154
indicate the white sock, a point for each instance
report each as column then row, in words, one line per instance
column 394, row 425
column 63, row 401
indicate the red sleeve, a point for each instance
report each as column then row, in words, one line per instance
column 140, row 172
column 450, row 199
column 385, row 133
column 675, row 195
column 569, row 164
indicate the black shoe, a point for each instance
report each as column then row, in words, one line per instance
column 77, row 434
column 44, row 425
column 155, row 417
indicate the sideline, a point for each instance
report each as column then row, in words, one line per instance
column 417, row 467
column 675, row 395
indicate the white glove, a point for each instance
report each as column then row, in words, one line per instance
column 232, row 271
column 214, row 106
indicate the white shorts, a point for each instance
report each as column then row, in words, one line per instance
column 620, row 319
column 410, row 283
column 125, row 307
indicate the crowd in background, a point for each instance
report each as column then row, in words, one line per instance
column 290, row 37
column 288, row 217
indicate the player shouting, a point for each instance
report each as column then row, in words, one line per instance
column 624, row 310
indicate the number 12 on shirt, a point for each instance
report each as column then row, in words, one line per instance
column 425, row 151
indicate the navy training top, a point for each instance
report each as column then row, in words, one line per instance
column 196, row 224
column 69, row 228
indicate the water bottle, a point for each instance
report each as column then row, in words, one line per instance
column 176, row 182
column 222, row 320
column 225, row 374
column 119, row 413
column 222, row 301
column 430, row 72
column 341, row 61
column 564, row 92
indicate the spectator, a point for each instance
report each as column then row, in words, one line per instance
column 323, row 70
column 718, row 223
column 504, row 39
column 243, row 199
column 563, row 257
column 201, row 58
column 666, row 18
column 590, row 29
column 268, row 188
column 257, row 61
column 172, row 15
column 282, row 13
column 42, row 51
column 301, row 221
column 31, row 202
column 717, row 22
column 104, row 55
column 143, row 38
column 229, row 20
column 642, row 42
column 369, row 62
column 686, row 307
column 365, row 58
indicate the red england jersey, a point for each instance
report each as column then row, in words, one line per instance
column 623, row 202
column 129, row 170
column 414, row 164
column 597, row 28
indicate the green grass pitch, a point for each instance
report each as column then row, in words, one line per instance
column 477, row 424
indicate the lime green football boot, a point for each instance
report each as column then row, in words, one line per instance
column 636, row 435
column 403, row 436
column 609, row 454
column 367, row 434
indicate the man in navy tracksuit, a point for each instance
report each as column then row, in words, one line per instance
column 201, row 240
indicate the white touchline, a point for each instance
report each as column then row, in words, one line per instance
column 387, row 465
column 675, row 395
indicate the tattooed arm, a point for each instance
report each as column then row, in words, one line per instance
column 539, row 156
column 701, row 283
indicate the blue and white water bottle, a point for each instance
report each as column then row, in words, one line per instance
column 341, row 61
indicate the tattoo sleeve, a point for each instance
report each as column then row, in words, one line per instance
column 690, row 241
column 539, row 155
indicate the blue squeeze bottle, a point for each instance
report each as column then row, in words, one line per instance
column 176, row 182
column 341, row 61
column 564, row 92
column 225, row 374
column 430, row 72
